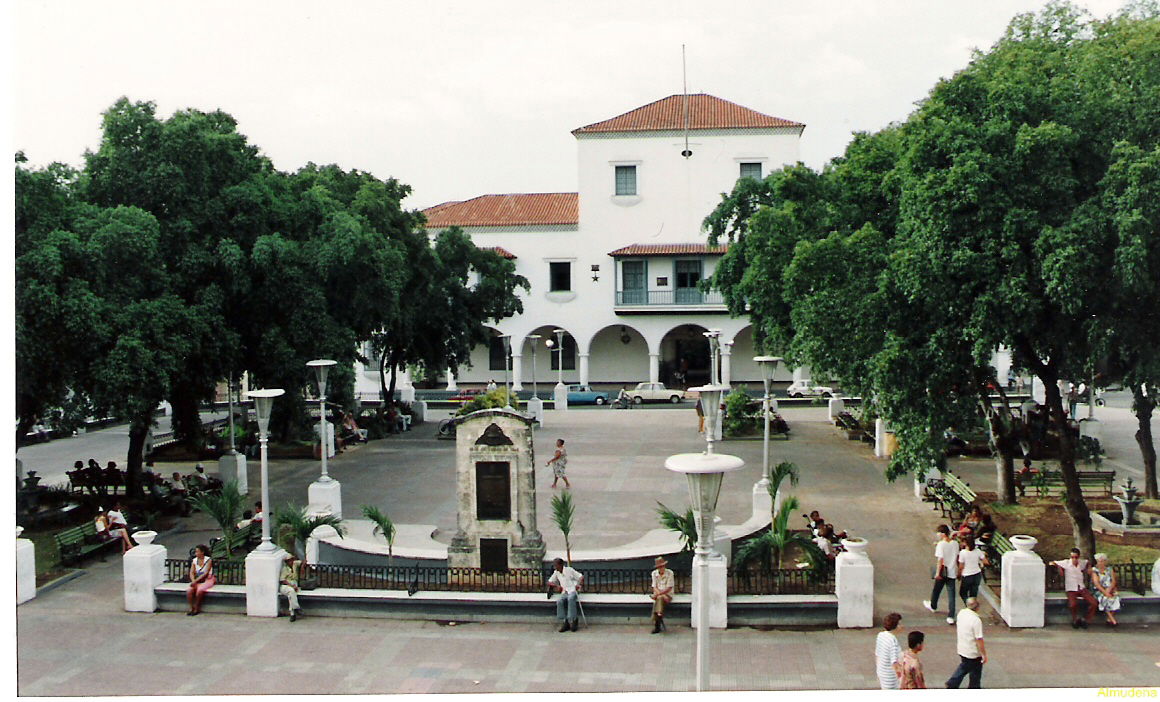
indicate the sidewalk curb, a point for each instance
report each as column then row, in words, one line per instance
column 54, row 584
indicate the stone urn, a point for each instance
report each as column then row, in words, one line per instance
column 144, row 538
column 19, row 531
column 856, row 546
column 1023, row 543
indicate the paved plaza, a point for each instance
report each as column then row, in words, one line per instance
column 616, row 467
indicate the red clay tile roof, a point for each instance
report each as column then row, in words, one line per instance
column 667, row 250
column 501, row 251
column 516, row 209
column 705, row 112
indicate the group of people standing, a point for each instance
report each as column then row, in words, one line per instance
column 898, row 669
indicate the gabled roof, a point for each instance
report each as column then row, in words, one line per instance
column 513, row 209
column 667, row 250
column 501, row 251
column 705, row 112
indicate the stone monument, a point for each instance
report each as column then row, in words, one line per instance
column 495, row 466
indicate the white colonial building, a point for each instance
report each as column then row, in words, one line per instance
column 616, row 265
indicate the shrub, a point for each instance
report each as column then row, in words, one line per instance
column 489, row 400
column 738, row 418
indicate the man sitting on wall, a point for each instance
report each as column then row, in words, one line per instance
column 568, row 581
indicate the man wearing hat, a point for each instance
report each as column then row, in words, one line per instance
column 663, row 584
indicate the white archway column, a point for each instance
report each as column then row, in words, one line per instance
column 727, row 363
column 517, row 371
column 654, row 368
column 451, row 380
column 583, row 368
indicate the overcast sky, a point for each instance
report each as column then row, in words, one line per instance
column 460, row 99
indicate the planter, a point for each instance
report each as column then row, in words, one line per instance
column 856, row 546
column 1023, row 543
column 144, row 538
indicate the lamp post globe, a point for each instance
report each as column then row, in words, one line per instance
column 263, row 406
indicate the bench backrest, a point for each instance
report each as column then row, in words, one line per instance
column 77, row 533
column 956, row 483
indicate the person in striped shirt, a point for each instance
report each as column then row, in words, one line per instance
column 887, row 652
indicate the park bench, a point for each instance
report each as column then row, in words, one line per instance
column 239, row 540
column 851, row 426
column 1000, row 545
column 106, row 483
column 953, row 496
column 1089, row 481
column 76, row 543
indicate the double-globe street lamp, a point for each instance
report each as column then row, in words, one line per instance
column 321, row 368
column 534, row 338
column 263, row 404
column 704, row 472
column 767, row 364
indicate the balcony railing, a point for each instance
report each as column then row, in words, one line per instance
column 678, row 297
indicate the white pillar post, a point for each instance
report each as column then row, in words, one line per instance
column 143, row 568
column 654, row 368
column 262, row 571
column 727, row 363
column 451, row 386
column 714, row 594
column 837, row 406
column 25, row 568
column 233, row 467
column 517, row 372
column 1023, row 585
column 583, row 369
column 880, row 437
column 854, row 578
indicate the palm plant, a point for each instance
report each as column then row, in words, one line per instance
column 384, row 526
column 300, row 525
column 684, row 524
column 769, row 548
column 778, row 475
column 224, row 506
column 563, row 511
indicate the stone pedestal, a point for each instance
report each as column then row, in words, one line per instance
column 1090, row 426
column 560, row 396
column 419, row 411
column 1156, row 577
column 262, row 571
column 722, row 544
column 1022, row 585
column 234, row 468
column 762, row 502
column 326, row 497
column 407, row 394
column 920, row 485
column 25, row 570
column 837, row 406
column 880, row 438
column 536, row 409
column 855, row 585
column 718, row 608
column 144, row 569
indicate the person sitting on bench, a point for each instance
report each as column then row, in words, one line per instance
column 663, row 585
column 119, row 527
column 567, row 580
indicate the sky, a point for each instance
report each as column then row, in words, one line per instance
column 459, row 99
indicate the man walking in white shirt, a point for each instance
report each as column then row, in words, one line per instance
column 887, row 652
column 567, row 580
column 946, row 564
column 972, row 653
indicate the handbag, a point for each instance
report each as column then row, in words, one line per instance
column 308, row 584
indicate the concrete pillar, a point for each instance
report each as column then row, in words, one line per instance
column 654, row 368
column 325, row 497
column 25, row 568
column 323, row 532
column 407, row 394
column 1023, row 585
column 854, row 576
column 419, row 411
column 234, row 468
column 727, row 363
column 762, row 501
column 920, row 485
column 583, row 369
column 718, row 606
column 451, row 381
column 536, row 409
column 143, row 567
column 560, row 396
column 722, row 544
column 1090, row 426
column 1156, row 577
column 262, row 571
column 837, row 406
column 880, row 438
column 517, row 372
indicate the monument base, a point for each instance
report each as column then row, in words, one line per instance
column 234, row 468
column 262, row 571
column 325, row 497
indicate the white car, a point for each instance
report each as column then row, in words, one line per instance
column 804, row 388
column 655, row 392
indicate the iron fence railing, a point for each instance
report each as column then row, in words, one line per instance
column 786, row 581
column 225, row 572
column 1130, row 577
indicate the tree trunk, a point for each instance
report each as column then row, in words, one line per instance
column 1005, row 442
column 1005, row 477
column 138, row 429
column 23, row 426
column 1077, row 509
column 395, row 362
column 383, row 377
column 186, row 418
column 1142, row 406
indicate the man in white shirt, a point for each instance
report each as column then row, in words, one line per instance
column 972, row 653
column 663, row 586
column 567, row 580
column 946, row 564
column 1075, row 577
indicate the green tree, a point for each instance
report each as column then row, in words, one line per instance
column 299, row 525
column 383, row 526
column 685, row 525
column 563, row 514
column 769, row 548
column 224, row 507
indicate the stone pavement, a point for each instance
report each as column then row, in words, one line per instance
column 616, row 465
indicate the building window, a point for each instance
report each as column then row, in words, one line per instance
column 626, row 180
column 751, row 170
column 568, row 351
column 495, row 354
column 560, row 276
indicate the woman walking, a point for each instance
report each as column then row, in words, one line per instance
column 559, row 463
column 971, row 562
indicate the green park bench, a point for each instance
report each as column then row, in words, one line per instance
column 953, row 496
column 76, row 543
column 239, row 540
column 1089, row 481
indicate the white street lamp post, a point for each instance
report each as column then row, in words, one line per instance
column 534, row 338
column 560, row 392
column 507, row 359
column 560, row 350
column 321, row 368
column 233, row 451
column 263, row 404
column 704, row 472
column 767, row 364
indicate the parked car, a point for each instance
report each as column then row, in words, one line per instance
column 804, row 388
column 655, row 392
column 585, row 395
